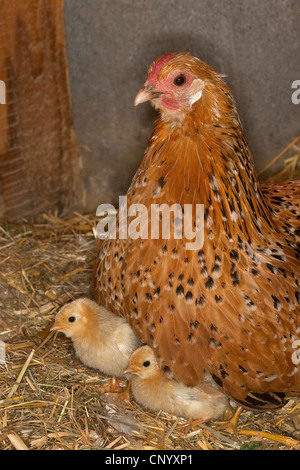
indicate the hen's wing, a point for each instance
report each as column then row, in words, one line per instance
column 284, row 200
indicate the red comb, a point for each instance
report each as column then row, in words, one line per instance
column 156, row 67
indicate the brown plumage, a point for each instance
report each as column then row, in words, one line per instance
column 284, row 200
column 231, row 308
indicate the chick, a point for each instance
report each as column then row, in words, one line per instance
column 153, row 390
column 101, row 339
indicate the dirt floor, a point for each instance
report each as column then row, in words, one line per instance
column 48, row 399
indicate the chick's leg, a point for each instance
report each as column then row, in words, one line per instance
column 114, row 389
column 232, row 424
column 125, row 394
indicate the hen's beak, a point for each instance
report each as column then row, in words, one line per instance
column 147, row 93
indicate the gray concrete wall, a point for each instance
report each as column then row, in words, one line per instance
column 111, row 43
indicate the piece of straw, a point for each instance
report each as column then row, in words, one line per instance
column 21, row 374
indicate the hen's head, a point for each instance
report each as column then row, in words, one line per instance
column 179, row 82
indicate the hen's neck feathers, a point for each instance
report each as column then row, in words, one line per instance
column 204, row 158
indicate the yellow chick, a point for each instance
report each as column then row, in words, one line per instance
column 101, row 339
column 153, row 390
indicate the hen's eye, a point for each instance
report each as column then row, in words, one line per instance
column 146, row 364
column 180, row 80
column 71, row 319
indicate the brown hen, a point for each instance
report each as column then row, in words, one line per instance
column 231, row 308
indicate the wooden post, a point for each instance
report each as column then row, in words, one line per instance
column 38, row 150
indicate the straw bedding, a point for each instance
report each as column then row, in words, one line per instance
column 48, row 399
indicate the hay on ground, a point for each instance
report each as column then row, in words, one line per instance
column 48, row 399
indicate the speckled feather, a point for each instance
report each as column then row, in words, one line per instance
column 231, row 308
column 284, row 200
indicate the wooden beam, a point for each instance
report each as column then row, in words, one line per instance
column 38, row 149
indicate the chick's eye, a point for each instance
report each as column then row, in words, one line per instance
column 146, row 364
column 71, row 319
column 180, row 80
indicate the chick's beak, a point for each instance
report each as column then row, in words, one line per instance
column 130, row 370
column 147, row 93
column 55, row 327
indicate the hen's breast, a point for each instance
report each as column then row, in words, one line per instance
column 232, row 307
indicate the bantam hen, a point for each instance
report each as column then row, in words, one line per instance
column 232, row 307
column 153, row 390
column 101, row 339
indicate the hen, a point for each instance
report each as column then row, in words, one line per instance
column 156, row 392
column 231, row 308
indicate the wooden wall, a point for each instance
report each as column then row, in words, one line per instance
column 110, row 46
column 38, row 149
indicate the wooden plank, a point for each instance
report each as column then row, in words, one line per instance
column 38, row 149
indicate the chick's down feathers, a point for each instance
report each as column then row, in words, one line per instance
column 156, row 392
column 101, row 339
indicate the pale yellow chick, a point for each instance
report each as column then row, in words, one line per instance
column 153, row 390
column 101, row 339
